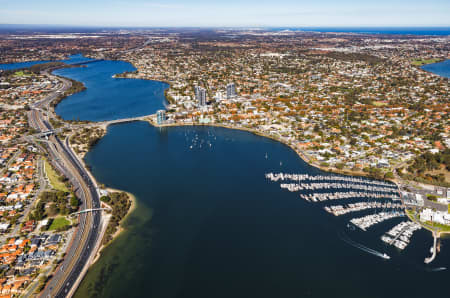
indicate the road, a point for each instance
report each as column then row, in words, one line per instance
column 69, row 273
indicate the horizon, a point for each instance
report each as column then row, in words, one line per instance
column 228, row 27
column 233, row 13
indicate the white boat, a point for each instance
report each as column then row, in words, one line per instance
column 385, row 256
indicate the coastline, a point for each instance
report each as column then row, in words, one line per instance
column 301, row 154
column 151, row 121
column 120, row 229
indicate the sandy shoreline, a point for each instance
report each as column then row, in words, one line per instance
column 120, row 227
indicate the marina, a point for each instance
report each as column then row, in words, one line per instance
column 315, row 197
column 399, row 236
column 331, row 177
column 338, row 210
column 367, row 221
column 333, row 185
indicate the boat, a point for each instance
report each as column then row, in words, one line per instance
column 385, row 256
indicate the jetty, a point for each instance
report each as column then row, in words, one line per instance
column 430, row 259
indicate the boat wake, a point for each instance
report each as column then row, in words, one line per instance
column 346, row 239
column 438, row 269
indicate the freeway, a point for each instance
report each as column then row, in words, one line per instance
column 67, row 276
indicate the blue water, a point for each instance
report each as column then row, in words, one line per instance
column 377, row 30
column 209, row 224
column 441, row 68
column 71, row 59
column 107, row 98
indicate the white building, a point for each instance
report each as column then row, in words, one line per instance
column 435, row 216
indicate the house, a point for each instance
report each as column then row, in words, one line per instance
column 4, row 227
column 54, row 239
column 29, row 226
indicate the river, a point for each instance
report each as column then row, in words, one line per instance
column 440, row 68
column 70, row 60
column 209, row 224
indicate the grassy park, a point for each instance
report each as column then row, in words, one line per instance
column 54, row 178
column 58, row 224
column 420, row 62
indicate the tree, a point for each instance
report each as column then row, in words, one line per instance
column 74, row 201
column 53, row 210
column 105, row 199
column 340, row 166
column 389, row 175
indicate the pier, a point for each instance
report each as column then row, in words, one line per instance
column 430, row 259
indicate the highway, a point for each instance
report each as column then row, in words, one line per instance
column 67, row 276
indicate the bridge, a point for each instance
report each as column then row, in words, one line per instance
column 85, row 62
column 110, row 122
column 47, row 133
column 88, row 210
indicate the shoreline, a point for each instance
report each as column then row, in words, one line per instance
column 133, row 205
column 432, row 73
column 301, row 154
column 151, row 121
column 120, row 229
column 125, row 76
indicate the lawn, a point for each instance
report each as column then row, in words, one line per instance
column 440, row 227
column 54, row 178
column 21, row 74
column 58, row 223
column 419, row 62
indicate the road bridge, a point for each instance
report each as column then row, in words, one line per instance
column 88, row 210
column 85, row 62
column 124, row 120
column 47, row 133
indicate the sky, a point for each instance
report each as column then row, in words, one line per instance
column 227, row 13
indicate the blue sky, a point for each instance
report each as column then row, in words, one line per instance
column 230, row 13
